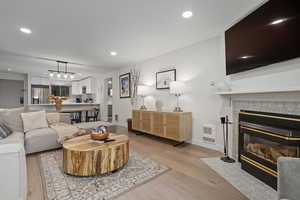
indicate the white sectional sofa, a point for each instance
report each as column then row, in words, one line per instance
column 14, row 148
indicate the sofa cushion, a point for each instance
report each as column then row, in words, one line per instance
column 4, row 131
column 15, row 137
column 40, row 140
column 12, row 119
column 34, row 120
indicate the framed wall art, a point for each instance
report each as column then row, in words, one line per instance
column 164, row 78
column 125, row 85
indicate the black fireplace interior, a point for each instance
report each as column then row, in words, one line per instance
column 263, row 138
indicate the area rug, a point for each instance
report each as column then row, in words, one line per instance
column 247, row 184
column 60, row 186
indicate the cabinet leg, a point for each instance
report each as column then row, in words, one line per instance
column 139, row 133
column 178, row 144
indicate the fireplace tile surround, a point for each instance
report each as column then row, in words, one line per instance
column 261, row 105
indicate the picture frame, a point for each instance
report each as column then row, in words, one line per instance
column 125, row 85
column 164, row 78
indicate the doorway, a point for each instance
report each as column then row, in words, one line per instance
column 108, row 100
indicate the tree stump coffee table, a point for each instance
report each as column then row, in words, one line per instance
column 83, row 157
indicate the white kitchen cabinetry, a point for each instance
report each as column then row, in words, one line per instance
column 39, row 81
column 76, row 89
column 88, row 83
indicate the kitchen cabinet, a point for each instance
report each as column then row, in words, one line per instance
column 39, row 81
column 76, row 88
column 84, row 86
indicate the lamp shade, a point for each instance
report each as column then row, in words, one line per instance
column 176, row 87
column 143, row 90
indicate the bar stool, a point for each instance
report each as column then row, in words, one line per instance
column 92, row 116
column 76, row 117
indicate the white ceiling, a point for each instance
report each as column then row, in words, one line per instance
column 86, row 31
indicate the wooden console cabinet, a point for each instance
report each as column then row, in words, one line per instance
column 172, row 125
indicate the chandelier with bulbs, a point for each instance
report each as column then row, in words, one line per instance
column 61, row 73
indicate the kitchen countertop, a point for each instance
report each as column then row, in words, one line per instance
column 66, row 104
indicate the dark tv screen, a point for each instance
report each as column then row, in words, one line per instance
column 269, row 35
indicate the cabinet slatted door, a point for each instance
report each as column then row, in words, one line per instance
column 146, row 121
column 175, row 126
column 172, row 126
column 158, row 124
column 136, row 120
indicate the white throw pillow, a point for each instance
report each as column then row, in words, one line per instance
column 34, row 120
column 53, row 118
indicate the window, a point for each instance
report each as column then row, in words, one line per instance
column 63, row 91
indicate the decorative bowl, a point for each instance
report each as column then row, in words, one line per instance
column 103, row 136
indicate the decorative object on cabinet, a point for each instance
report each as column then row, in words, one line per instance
column 159, row 105
column 125, row 85
column 174, row 126
column 143, row 91
column 135, row 77
column 164, row 78
column 177, row 88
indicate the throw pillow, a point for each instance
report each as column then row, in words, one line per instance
column 11, row 118
column 53, row 118
column 34, row 120
column 4, row 131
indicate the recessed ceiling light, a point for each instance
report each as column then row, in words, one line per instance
column 58, row 75
column 278, row 21
column 113, row 53
column 9, row 69
column 25, row 30
column 65, row 76
column 187, row 14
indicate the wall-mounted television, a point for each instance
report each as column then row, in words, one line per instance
column 268, row 35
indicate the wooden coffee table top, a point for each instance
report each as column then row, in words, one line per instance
column 83, row 157
column 84, row 143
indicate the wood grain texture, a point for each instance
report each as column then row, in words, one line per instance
column 189, row 179
column 85, row 158
column 172, row 125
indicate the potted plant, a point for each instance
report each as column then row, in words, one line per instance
column 58, row 101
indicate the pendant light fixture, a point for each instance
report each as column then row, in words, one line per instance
column 59, row 73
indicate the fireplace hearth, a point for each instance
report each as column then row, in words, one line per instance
column 263, row 138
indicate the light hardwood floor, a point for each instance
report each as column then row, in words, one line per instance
column 189, row 179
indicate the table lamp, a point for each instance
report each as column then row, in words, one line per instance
column 143, row 91
column 176, row 88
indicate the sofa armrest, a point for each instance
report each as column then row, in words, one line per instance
column 13, row 172
column 289, row 178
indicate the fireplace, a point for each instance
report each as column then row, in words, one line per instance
column 263, row 138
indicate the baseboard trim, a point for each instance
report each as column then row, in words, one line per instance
column 206, row 145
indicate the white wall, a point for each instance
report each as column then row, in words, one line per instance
column 197, row 66
column 279, row 76
column 10, row 93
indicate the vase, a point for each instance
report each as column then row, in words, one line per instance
column 58, row 107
